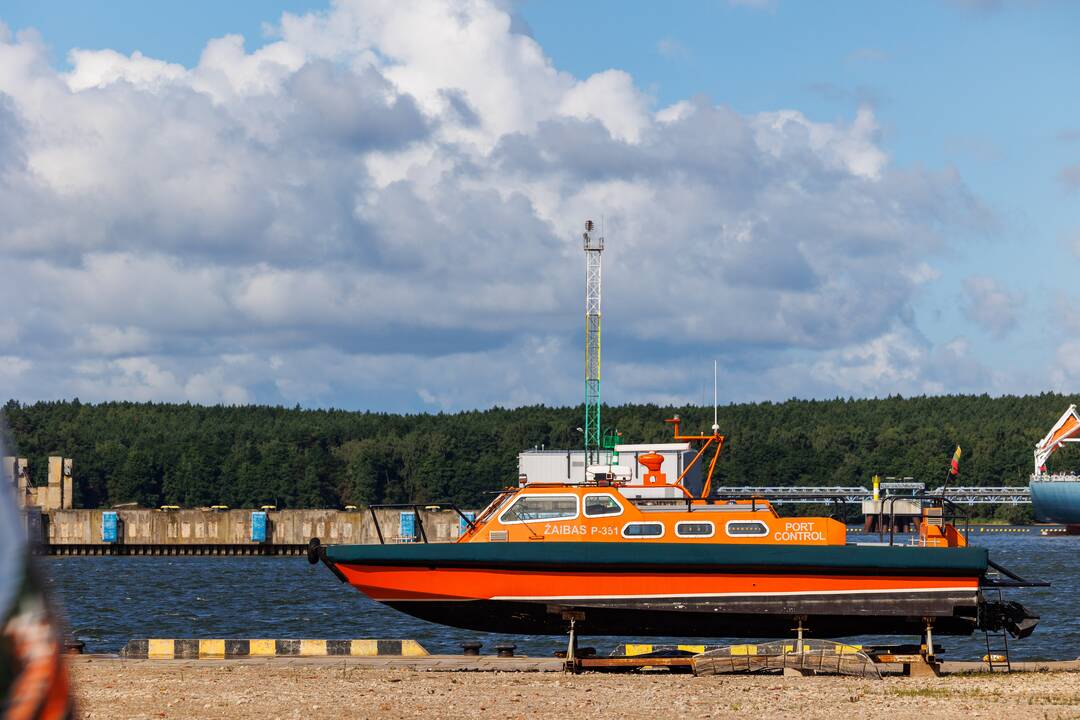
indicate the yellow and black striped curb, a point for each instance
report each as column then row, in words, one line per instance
column 194, row 649
column 633, row 649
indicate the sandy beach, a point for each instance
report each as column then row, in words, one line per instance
column 111, row 689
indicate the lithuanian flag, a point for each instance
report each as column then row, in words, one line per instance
column 956, row 462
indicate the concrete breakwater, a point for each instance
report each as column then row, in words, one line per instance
column 231, row 532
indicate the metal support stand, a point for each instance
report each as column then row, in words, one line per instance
column 799, row 651
column 925, row 665
column 572, row 648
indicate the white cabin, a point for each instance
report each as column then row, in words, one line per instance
column 568, row 466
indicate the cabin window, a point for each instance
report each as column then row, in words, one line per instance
column 643, row 529
column 599, row 505
column 695, row 529
column 541, row 507
column 747, row 528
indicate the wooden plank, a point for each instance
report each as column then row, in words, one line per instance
column 631, row 662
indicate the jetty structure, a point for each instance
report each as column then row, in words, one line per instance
column 1056, row 495
column 54, row 526
column 57, row 494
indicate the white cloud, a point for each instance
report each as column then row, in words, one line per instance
column 96, row 69
column 346, row 216
column 904, row 362
column 674, row 112
column 12, row 366
column 135, row 378
column 1065, row 375
column 889, row 361
column 853, row 148
column 146, row 378
column 991, row 306
column 213, row 387
column 611, row 98
column 1064, row 372
column 9, row 332
column 107, row 340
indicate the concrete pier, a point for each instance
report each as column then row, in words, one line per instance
column 58, row 494
column 229, row 532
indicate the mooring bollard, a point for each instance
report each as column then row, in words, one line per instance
column 505, row 650
column 471, row 648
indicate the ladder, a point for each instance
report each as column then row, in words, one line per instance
column 999, row 661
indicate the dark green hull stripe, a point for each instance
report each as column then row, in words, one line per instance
column 670, row 557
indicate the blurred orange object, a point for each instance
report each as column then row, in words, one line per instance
column 33, row 675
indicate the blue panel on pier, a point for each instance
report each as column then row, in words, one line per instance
column 463, row 526
column 109, row 527
column 258, row 527
column 408, row 527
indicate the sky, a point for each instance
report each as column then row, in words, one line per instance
column 377, row 204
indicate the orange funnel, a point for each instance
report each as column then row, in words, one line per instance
column 652, row 461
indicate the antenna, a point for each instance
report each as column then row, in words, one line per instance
column 594, row 246
column 715, row 425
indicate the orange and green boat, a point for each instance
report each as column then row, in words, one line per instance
column 645, row 556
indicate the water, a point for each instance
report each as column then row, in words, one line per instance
column 108, row 600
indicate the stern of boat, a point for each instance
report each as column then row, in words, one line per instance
column 999, row 615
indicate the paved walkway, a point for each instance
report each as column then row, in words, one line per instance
column 951, row 667
column 491, row 663
column 427, row 662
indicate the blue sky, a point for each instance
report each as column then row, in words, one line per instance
column 979, row 86
column 979, row 95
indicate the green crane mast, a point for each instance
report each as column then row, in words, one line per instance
column 594, row 246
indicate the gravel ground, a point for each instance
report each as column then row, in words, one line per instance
column 147, row 690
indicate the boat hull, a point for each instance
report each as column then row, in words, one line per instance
column 1056, row 500
column 827, row 619
column 666, row 589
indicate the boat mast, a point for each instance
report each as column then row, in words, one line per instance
column 594, row 246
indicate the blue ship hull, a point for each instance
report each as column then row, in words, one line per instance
column 1056, row 501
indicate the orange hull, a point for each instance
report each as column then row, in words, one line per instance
column 649, row 589
column 412, row 583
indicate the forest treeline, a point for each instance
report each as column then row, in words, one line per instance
column 192, row 456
